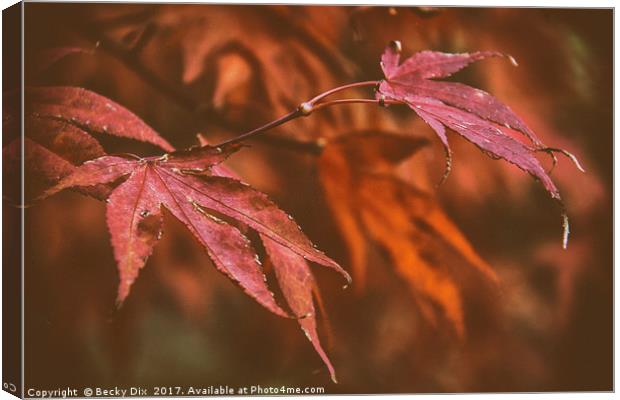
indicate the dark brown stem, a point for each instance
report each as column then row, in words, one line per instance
column 282, row 120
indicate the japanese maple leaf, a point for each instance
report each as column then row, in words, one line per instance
column 181, row 182
column 90, row 112
column 59, row 123
column 294, row 278
column 369, row 201
column 471, row 112
column 190, row 184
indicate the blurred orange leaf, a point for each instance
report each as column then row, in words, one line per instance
column 368, row 200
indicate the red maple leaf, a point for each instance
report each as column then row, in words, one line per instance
column 473, row 113
column 206, row 197
column 89, row 112
column 59, row 123
column 181, row 182
column 201, row 195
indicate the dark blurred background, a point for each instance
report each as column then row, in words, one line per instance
column 221, row 70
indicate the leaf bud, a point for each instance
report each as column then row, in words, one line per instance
column 305, row 109
column 382, row 101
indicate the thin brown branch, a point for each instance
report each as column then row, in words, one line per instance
column 353, row 101
column 282, row 120
column 341, row 88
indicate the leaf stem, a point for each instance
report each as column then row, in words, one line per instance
column 304, row 109
column 282, row 120
column 341, row 88
column 353, row 101
column 308, row 107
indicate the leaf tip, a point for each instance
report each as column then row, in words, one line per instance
column 568, row 154
column 448, row 168
column 348, row 278
column 512, row 60
column 575, row 160
column 120, row 300
column 121, row 296
column 396, row 46
column 565, row 230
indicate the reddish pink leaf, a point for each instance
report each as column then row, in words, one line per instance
column 51, row 149
column 239, row 201
column 413, row 76
column 156, row 181
column 440, row 130
column 486, row 136
column 467, row 98
column 100, row 170
column 134, row 220
column 61, row 120
column 297, row 282
column 42, row 166
column 470, row 112
column 40, row 161
column 390, row 58
column 198, row 159
column 91, row 112
column 67, row 141
column 57, row 125
column 230, row 250
column 431, row 64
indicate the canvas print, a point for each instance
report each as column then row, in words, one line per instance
column 221, row 199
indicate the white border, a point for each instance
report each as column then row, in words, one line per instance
column 479, row 3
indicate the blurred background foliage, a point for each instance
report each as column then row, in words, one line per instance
column 221, row 70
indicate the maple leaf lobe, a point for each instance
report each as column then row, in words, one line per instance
column 91, row 112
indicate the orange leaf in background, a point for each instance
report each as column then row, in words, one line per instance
column 265, row 58
column 241, row 66
column 368, row 199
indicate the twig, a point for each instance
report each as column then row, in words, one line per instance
column 282, row 120
column 307, row 108
column 354, row 101
column 341, row 88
